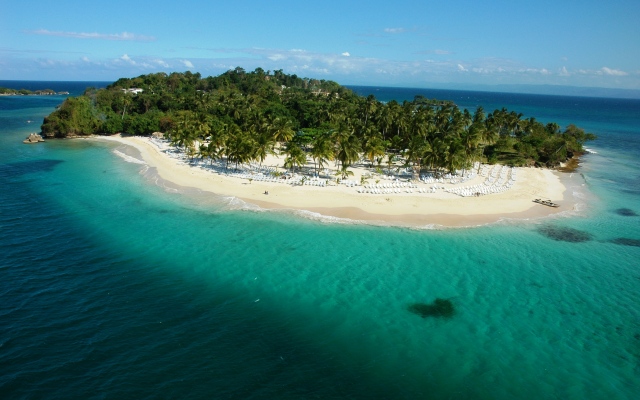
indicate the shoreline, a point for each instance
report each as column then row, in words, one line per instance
column 441, row 209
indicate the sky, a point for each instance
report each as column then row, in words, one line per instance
column 386, row 43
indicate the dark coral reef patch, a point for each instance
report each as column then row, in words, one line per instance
column 442, row 308
column 565, row 234
column 626, row 212
column 626, row 241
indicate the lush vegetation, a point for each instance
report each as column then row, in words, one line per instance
column 243, row 116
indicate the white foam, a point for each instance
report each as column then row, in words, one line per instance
column 312, row 215
column 128, row 158
column 427, row 227
column 234, row 203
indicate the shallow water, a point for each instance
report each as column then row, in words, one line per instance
column 114, row 286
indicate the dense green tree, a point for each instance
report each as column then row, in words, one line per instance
column 243, row 116
column 75, row 116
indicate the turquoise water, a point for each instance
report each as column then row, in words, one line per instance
column 117, row 287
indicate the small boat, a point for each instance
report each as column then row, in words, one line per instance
column 548, row 203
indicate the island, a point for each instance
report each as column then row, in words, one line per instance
column 24, row 92
column 280, row 141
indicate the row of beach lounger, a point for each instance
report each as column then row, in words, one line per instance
column 498, row 178
column 396, row 190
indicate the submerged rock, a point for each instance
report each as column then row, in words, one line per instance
column 626, row 212
column 626, row 242
column 439, row 308
column 565, row 234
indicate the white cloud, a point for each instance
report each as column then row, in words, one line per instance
column 95, row 35
column 346, row 69
column 613, row 72
column 161, row 63
column 394, row 30
column 439, row 52
column 128, row 59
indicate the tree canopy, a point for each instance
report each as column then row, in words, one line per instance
column 244, row 116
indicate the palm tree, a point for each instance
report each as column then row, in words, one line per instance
column 239, row 147
column 344, row 172
column 469, row 139
column 296, row 157
column 416, row 150
column 265, row 145
column 390, row 159
column 489, row 134
column 553, row 128
column 392, row 119
column 209, row 150
column 282, row 129
column 369, row 107
column 127, row 100
column 202, row 126
column 373, row 147
column 514, row 123
column 322, row 150
column 404, row 117
column 435, row 153
column 184, row 133
column 191, row 153
column 348, row 148
column 455, row 157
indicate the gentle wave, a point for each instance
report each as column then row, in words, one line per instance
column 128, row 158
column 234, row 203
column 315, row 216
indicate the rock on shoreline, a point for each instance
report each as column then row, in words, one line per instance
column 33, row 138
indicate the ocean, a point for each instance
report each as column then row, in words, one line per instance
column 117, row 285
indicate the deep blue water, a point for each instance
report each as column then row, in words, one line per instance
column 113, row 287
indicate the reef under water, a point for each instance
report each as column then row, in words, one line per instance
column 626, row 241
column 439, row 308
column 564, row 234
column 626, row 212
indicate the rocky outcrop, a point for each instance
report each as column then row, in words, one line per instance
column 33, row 138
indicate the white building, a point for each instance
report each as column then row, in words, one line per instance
column 133, row 91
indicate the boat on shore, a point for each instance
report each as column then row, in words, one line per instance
column 548, row 203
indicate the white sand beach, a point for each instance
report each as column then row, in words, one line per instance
column 396, row 200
